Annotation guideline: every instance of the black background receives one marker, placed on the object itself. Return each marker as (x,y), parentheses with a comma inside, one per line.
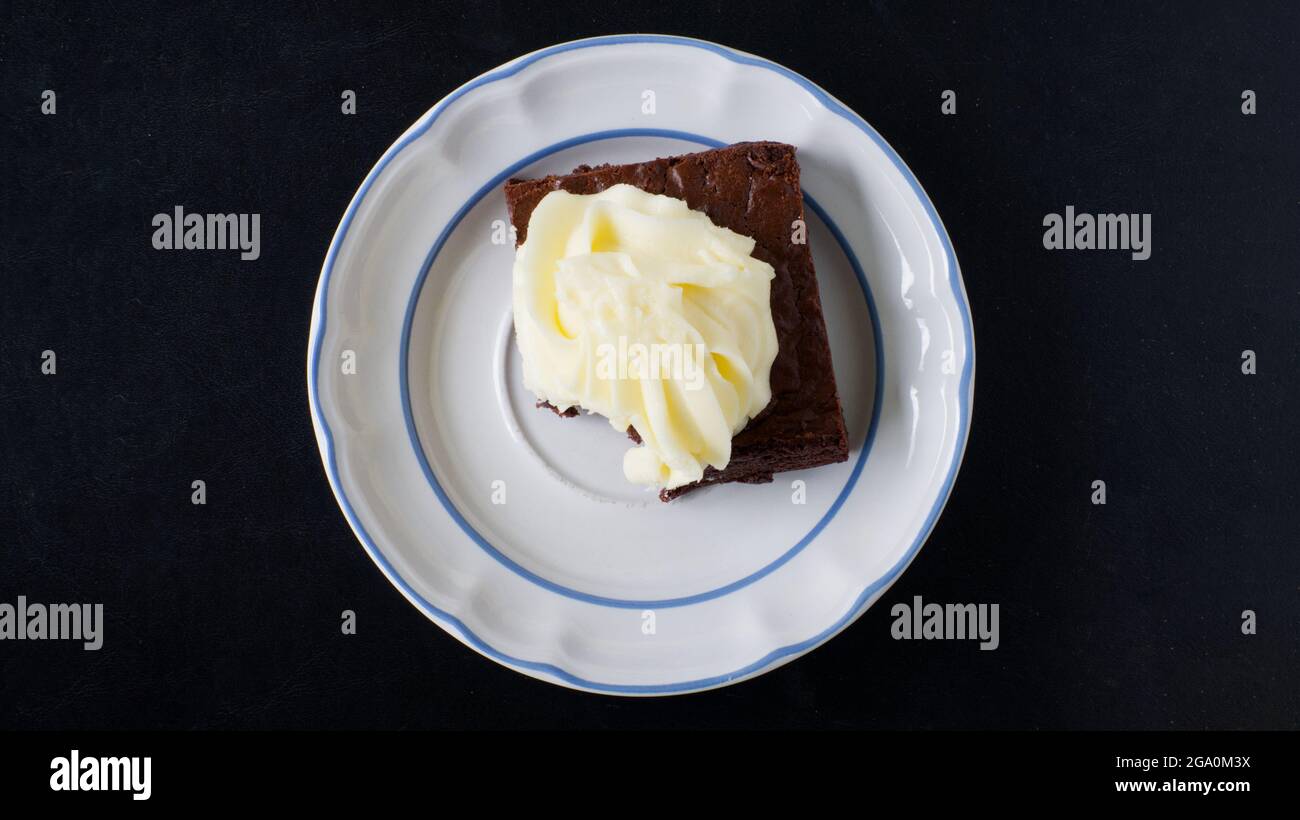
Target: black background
(181,366)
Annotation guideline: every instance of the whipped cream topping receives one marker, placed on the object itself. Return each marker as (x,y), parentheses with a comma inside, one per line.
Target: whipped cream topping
(634,306)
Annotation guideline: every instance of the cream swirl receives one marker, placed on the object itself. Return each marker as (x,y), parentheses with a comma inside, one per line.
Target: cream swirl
(634,306)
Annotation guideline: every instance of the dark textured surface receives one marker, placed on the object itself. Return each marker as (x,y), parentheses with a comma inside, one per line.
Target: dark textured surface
(177,366)
(752,189)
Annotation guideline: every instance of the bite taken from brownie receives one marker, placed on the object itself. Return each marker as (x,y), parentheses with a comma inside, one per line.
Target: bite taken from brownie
(751,189)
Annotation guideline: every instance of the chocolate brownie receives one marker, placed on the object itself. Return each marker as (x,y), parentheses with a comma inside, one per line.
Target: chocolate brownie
(753,189)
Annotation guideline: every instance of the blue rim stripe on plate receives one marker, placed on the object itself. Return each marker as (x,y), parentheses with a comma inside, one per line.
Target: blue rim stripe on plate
(546,669)
(505,560)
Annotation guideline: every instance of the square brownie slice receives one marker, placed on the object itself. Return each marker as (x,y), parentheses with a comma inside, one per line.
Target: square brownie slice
(753,189)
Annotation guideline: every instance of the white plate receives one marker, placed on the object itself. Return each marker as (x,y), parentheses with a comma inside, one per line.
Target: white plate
(579,578)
